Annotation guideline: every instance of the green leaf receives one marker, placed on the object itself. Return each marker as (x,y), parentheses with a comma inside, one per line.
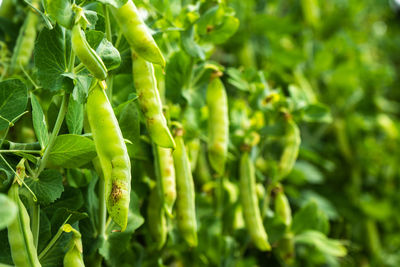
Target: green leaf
(310,217)
(8,211)
(107,52)
(61,11)
(217,25)
(39,122)
(316,113)
(189,44)
(48,187)
(13,100)
(72,151)
(322,243)
(50,60)
(74,117)
(114,3)
(78,177)
(177,75)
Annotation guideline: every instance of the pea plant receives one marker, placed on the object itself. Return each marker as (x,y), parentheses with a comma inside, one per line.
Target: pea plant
(185,133)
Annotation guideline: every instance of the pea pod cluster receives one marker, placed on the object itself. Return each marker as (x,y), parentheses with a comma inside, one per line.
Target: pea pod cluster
(86,54)
(23,250)
(218,125)
(150,102)
(248,197)
(113,154)
(136,33)
(185,202)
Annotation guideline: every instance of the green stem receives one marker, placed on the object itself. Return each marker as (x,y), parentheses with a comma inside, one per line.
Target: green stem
(19,150)
(4,137)
(101,228)
(57,126)
(108,24)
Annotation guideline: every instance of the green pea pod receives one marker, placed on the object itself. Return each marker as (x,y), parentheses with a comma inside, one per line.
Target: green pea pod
(203,172)
(286,249)
(156,219)
(282,208)
(136,33)
(193,147)
(86,54)
(73,257)
(23,250)
(311,12)
(291,150)
(150,102)
(113,155)
(251,211)
(218,125)
(185,202)
(26,41)
(166,176)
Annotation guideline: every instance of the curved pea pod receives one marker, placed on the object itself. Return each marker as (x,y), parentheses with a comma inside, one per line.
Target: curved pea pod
(26,40)
(156,219)
(218,125)
(203,172)
(286,249)
(136,33)
(73,257)
(291,150)
(251,211)
(23,250)
(282,208)
(185,202)
(86,54)
(150,102)
(113,155)
(166,176)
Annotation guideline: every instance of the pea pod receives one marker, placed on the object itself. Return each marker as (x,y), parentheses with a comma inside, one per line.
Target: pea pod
(156,219)
(150,102)
(136,33)
(86,54)
(113,155)
(248,197)
(26,41)
(282,208)
(291,150)
(166,176)
(218,125)
(185,202)
(73,257)
(193,147)
(20,237)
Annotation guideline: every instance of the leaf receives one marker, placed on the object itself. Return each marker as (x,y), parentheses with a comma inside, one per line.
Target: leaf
(8,211)
(322,243)
(177,75)
(61,11)
(107,52)
(189,44)
(13,100)
(71,199)
(74,117)
(114,3)
(48,187)
(310,217)
(72,151)
(50,59)
(39,122)
(316,113)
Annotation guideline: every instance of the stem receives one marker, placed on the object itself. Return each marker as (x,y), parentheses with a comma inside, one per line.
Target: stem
(20,150)
(102,211)
(108,24)
(4,137)
(57,126)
